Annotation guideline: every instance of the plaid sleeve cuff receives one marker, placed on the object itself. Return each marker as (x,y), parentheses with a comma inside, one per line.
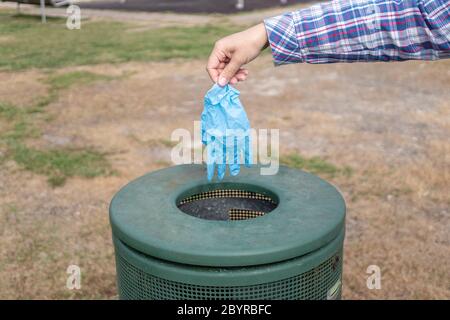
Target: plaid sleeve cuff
(283,39)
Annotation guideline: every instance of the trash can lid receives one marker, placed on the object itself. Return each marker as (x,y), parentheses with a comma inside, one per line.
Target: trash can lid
(144,215)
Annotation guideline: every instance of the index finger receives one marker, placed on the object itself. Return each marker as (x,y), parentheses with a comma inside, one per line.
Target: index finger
(213,66)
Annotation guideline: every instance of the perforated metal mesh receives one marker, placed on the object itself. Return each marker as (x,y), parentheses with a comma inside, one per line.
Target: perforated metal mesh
(314,284)
(242,214)
(227,193)
(227,204)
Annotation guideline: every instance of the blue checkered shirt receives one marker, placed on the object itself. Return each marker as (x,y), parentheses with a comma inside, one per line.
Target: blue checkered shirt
(362,30)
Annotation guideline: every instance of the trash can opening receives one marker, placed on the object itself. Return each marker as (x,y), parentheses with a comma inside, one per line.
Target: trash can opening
(225,201)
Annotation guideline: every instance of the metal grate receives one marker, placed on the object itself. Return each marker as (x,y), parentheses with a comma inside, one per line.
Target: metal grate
(242,214)
(227,204)
(227,193)
(315,284)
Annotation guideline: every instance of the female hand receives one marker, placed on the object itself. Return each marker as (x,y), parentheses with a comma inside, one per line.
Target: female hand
(232,52)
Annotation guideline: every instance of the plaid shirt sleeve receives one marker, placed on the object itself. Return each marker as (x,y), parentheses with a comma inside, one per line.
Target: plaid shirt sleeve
(362,30)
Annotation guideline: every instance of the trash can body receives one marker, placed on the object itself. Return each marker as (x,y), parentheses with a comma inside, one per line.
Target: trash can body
(176,236)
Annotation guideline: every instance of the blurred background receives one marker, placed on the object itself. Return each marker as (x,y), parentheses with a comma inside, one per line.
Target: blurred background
(84,111)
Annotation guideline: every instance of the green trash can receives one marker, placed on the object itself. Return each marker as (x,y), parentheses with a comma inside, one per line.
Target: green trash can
(176,236)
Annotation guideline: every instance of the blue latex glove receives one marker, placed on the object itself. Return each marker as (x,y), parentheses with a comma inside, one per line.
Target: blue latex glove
(225,131)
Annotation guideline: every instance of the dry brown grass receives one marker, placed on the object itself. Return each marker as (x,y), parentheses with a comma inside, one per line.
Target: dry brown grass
(392,132)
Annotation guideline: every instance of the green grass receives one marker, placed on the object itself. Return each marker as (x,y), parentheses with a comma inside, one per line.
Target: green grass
(29,44)
(60,164)
(165,142)
(314,165)
(58,82)
(56,164)
(66,80)
(26,43)
(8,111)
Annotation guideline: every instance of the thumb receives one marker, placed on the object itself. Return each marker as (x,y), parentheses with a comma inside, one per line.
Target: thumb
(229,71)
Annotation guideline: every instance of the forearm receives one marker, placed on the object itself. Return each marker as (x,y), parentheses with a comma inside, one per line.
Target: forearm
(362,30)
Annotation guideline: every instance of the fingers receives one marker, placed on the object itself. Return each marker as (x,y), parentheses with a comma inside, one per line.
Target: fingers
(221,69)
(248,152)
(216,61)
(213,67)
(241,75)
(222,164)
(230,71)
(211,159)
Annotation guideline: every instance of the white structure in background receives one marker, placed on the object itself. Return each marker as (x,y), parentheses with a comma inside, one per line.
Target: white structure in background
(240,4)
(42,3)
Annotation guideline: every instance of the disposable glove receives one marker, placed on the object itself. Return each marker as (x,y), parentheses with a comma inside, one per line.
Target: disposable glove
(225,131)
